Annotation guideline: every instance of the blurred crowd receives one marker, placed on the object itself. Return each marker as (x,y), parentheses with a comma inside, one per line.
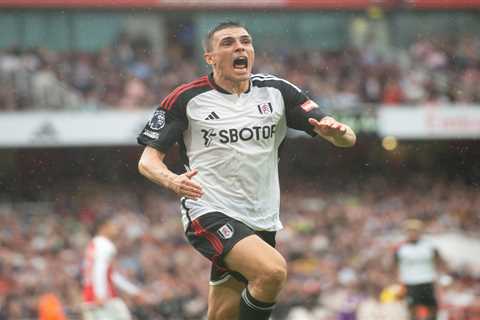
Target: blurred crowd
(125,75)
(339,246)
(131,74)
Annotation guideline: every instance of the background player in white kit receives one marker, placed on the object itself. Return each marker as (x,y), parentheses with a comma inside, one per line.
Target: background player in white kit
(230,126)
(101,280)
(417,262)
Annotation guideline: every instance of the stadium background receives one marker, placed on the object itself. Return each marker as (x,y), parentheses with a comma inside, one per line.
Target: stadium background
(78,79)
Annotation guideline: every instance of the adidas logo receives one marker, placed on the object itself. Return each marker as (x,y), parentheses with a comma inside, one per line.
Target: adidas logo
(212,116)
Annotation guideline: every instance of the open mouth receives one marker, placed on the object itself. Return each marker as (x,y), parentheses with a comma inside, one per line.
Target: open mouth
(240,63)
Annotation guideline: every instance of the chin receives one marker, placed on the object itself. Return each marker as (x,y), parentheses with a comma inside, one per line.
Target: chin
(242,77)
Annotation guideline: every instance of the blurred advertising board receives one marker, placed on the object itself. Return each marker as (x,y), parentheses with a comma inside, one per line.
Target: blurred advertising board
(51,129)
(360,122)
(245,4)
(103,128)
(161,4)
(365,122)
(449,122)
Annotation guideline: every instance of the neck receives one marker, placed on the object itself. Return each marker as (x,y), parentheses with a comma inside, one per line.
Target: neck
(232,86)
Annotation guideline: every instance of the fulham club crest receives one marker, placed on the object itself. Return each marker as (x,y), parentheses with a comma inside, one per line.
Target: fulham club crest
(265,108)
(225,231)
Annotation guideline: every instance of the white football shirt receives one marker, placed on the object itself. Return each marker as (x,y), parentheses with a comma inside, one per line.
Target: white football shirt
(100,279)
(98,270)
(233,141)
(416,262)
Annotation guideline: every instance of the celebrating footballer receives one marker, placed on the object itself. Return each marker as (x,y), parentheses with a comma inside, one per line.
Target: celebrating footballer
(229,125)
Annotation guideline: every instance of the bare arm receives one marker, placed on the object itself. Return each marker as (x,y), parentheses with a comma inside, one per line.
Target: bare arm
(440,263)
(151,166)
(124,284)
(339,134)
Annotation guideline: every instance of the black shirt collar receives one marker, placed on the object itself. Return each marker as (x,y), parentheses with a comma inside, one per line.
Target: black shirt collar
(220,89)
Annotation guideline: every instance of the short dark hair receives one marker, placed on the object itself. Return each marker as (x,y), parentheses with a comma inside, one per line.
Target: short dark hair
(220,26)
(100,221)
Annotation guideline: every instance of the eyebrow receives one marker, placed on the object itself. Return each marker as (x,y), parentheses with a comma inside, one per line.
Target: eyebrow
(242,37)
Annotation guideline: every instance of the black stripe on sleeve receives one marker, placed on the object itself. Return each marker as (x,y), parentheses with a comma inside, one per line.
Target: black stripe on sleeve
(166,127)
(298,106)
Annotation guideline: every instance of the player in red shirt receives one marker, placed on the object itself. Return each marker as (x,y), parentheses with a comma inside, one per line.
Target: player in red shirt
(100,279)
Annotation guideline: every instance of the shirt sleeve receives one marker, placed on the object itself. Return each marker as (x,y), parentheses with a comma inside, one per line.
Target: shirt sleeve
(100,277)
(165,127)
(299,108)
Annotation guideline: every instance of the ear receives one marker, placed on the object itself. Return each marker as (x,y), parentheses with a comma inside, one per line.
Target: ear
(209,59)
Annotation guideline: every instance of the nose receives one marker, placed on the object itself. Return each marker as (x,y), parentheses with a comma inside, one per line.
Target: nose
(239,46)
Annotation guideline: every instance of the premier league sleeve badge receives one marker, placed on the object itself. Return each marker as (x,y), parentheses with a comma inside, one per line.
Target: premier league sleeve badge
(158,120)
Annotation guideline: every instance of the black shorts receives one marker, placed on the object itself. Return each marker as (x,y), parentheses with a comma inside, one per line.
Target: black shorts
(214,234)
(421,294)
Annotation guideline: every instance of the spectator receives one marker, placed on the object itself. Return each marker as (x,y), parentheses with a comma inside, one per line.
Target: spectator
(431,71)
(45,241)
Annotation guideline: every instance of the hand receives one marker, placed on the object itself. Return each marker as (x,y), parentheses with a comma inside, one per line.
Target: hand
(184,186)
(328,127)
